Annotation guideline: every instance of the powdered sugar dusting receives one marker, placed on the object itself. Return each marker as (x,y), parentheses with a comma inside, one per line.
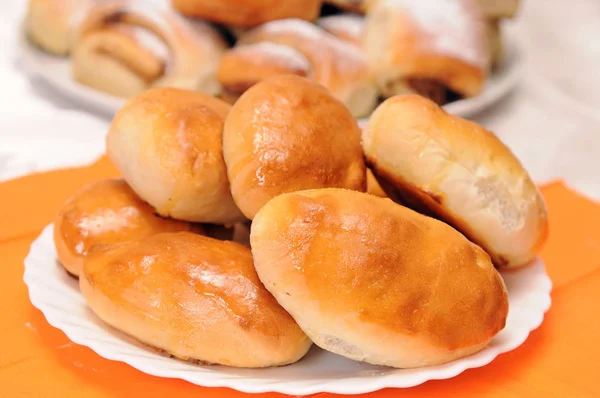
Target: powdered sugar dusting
(349,25)
(455,27)
(291,58)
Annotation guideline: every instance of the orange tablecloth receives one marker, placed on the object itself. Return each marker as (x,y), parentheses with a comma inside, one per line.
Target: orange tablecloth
(561,358)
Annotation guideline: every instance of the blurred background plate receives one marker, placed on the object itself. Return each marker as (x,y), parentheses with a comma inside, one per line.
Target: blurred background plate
(35,142)
(56,71)
(57,295)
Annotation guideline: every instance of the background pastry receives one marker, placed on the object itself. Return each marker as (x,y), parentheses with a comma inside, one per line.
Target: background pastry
(346,27)
(193,297)
(51,24)
(459,172)
(126,48)
(287,134)
(167,143)
(376,282)
(105,212)
(248,13)
(298,47)
(438,49)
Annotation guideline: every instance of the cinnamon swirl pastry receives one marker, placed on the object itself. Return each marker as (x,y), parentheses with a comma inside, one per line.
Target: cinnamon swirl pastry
(124,49)
(297,47)
(436,49)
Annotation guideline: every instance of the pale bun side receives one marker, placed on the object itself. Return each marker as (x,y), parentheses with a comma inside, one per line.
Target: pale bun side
(105,212)
(459,172)
(192,297)
(377,282)
(167,143)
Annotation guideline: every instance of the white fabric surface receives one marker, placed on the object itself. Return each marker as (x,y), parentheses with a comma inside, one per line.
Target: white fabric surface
(552,121)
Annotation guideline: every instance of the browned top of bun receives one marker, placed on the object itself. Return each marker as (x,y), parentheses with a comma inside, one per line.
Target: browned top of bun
(194,297)
(105,212)
(361,256)
(248,12)
(286,134)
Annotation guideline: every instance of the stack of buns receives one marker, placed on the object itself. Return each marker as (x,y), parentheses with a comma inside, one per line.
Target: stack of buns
(363,52)
(381,245)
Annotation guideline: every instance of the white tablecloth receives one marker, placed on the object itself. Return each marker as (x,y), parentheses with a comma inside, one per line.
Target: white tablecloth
(552,121)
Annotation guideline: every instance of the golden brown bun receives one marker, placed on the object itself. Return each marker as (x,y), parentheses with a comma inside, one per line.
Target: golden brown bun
(293,46)
(125,48)
(459,172)
(498,8)
(287,134)
(376,282)
(196,298)
(105,212)
(167,143)
(248,13)
(439,42)
(51,24)
(346,27)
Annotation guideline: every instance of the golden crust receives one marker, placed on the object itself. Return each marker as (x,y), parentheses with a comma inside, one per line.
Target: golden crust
(375,281)
(167,143)
(459,172)
(194,297)
(105,212)
(444,42)
(287,134)
(248,13)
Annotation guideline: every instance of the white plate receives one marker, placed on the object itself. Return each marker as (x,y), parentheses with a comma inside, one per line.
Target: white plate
(56,71)
(57,296)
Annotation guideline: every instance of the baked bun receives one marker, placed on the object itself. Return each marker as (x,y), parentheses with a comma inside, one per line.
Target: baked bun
(125,48)
(459,172)
(346,27)
(105,212)
(193,297)
(167,143)
(376,282)
(293,46)
(287,134)
(51,24)
(248,13)
(434,48)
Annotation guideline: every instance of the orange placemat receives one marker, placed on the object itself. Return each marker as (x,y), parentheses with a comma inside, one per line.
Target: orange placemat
(559,359)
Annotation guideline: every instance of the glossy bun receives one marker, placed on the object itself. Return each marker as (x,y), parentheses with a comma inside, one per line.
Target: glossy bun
(105,212)
(376,282)
(167,143)
(287,134)
(193,297)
